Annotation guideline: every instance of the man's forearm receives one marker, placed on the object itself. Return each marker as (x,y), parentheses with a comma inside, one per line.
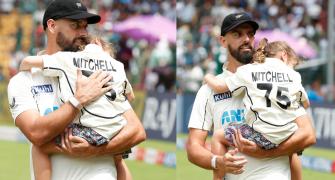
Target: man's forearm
(195,148)
(132,134)
(202,157)
(302,138)
(41,129)
(199,155)
(299,141)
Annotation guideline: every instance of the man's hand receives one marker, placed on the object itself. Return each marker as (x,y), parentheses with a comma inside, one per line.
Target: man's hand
(91,88)
(231,163)
(303,137)
(130,135)
(76,146)
(245,146)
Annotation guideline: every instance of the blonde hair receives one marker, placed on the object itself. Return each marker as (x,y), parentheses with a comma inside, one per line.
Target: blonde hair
(106,46)
(266,49)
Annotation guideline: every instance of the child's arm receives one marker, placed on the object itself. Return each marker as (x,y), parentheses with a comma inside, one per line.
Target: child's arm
(122,170)
(129,92)
(216,84)
(295,167)
(304,98)
(30,62)
(41,164)
(130,96)
(306,104)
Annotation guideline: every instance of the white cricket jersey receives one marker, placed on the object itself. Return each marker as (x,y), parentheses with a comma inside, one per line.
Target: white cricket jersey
(29,91)
(104,114)
(209,105)
(273,94)
(211,110)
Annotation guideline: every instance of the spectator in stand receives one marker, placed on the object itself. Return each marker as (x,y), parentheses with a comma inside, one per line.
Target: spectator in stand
(302,19)
(315,93)
(111,12)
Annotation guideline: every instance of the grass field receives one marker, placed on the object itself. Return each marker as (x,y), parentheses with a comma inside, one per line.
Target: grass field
(14,164)
(186,170)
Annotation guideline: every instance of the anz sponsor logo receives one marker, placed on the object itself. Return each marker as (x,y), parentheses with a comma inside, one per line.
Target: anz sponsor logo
(46,88)
(49,110)
(234,115)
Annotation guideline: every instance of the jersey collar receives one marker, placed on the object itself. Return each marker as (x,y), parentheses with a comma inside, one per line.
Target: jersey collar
(274,60)
(93,48)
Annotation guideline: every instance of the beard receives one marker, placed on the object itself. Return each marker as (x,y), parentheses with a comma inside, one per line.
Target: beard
(244,57)
(67,45)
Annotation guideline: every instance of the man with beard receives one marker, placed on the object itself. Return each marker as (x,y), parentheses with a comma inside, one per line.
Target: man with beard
(216,110)
(38,112)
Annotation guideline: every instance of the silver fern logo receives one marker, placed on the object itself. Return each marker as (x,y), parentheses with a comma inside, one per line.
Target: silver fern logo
(78,5)
(238,16)
(12,104)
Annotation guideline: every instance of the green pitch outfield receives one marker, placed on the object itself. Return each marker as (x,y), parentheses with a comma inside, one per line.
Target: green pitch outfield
(186,170)
(14,162)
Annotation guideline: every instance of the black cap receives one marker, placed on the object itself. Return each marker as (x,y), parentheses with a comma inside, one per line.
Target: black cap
(233,20)
(68,9)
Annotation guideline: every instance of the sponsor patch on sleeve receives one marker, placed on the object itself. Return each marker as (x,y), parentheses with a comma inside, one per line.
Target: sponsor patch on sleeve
(222,96)
(45,88)
(12,104)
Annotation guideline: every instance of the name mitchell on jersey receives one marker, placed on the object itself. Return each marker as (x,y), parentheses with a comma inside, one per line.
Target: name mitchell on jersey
(93,64)
(270,76)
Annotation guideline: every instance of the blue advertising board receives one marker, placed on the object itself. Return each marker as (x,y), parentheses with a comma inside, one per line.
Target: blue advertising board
(324,124)
(159,116)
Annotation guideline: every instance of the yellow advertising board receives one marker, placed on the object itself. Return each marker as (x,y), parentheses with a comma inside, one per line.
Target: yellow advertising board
(138,103)
(5,117)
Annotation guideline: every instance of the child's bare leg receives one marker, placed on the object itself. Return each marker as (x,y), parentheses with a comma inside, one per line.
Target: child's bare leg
(296,168)
(122,170)
(41,164)
(218,147)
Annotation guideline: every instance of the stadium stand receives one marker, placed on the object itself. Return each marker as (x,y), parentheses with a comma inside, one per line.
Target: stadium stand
(22,34)
(199,23)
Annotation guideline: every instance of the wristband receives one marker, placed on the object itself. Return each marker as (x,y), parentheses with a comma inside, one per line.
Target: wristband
(213,161)
(75,103)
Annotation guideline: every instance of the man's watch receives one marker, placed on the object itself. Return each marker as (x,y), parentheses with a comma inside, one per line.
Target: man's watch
(213,162)
(75,103)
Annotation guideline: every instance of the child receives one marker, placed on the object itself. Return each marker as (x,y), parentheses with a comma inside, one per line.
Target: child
(273,95)
(101,120)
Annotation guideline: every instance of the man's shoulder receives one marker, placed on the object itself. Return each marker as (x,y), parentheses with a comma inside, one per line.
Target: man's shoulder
(117,63)
(20,80)
(223,75)
(204,90)
(29,78)
(20,77)
(62,58)
(65,53)
(248,67)
(295,73)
